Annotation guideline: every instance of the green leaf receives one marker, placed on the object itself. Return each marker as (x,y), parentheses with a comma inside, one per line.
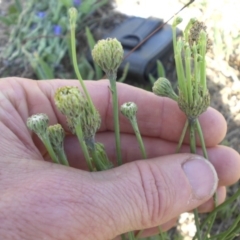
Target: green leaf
(6,20)
(66,3)
(125,72)
(152,79)
(18,6)
(42,69)
(160,69)
(86,6)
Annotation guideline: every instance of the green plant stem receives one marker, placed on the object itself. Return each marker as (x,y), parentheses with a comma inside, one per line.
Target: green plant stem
(112,78)
(75,65)
(180,70)
(195,211)
(203,62)
(196,72)
(200,134)
(161,236)
(229,231)
(193,150)
(123,237)
(94,155)
(187,58)
(183,134)
(18,5)
(138,136)
(131,236)
(83,145)
(62,156)
(220,207)
(50,150)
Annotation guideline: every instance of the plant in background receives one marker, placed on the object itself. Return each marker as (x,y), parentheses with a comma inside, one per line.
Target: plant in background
(39,38)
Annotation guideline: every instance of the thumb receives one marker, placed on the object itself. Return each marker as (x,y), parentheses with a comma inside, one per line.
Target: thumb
(142,194)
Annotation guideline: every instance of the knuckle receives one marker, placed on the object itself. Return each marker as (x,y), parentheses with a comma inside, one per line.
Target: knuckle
(157,191)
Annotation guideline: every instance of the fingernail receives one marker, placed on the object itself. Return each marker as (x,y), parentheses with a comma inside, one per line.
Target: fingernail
(201,176)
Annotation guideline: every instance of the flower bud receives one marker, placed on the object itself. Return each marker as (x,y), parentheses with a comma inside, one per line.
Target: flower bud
(71,124)
(197,107)
(56,136)
(108,54)
(163,87)
(90,122)
(72,12)
(129,110)
(70,101)
(38,123)
(177,21)
(104,162)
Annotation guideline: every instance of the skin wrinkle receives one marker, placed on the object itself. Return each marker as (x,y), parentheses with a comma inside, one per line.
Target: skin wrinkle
(50,97)
(134,196)
(14,105)
(17,102)
(142,168)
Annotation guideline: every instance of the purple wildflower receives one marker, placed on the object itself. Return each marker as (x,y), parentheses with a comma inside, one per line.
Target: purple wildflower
(57,30)
(41,14)
(77,3)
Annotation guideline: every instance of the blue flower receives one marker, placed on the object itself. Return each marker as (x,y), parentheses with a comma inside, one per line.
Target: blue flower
(57,30)
(77,3)
(41,14)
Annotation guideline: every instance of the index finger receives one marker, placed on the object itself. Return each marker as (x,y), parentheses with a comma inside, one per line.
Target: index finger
(157,116)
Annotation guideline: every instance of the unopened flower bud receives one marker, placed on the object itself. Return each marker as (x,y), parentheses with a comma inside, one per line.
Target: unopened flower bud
(129,110)
(71,124)
(177,21)
(163,87)
(108,54)
(199,105)
(38,123)
(70,101)
(90,122)
(72,12)
(56,136)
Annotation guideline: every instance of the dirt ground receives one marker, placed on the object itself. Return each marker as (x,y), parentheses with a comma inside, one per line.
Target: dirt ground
(223,61)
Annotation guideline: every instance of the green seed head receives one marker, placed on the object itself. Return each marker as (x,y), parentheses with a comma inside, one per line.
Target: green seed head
(72,12)
(56,136)
(108,54)
(197,107)
(177,21)
(129,110)
(70,101)
(38,123)
(163,87)
(90,122)
(71,123)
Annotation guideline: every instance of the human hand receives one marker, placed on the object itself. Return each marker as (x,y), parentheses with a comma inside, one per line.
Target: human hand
(42,200)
